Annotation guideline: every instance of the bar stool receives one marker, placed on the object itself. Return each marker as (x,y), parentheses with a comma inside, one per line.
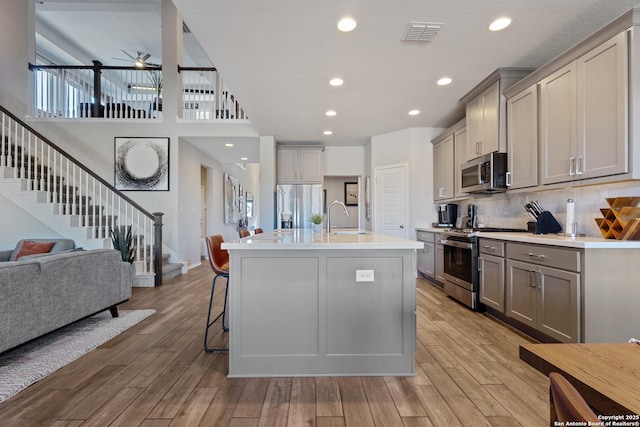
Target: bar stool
(219,261)
(244,233)
(257,230)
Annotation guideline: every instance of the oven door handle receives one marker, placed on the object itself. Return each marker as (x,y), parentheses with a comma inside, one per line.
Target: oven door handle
(457,244)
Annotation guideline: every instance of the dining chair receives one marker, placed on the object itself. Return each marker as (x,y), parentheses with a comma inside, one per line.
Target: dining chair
(567,403)
(219,261)
(257,230)
(244,233)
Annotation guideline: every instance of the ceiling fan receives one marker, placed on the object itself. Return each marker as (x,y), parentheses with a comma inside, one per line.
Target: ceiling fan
(139,61)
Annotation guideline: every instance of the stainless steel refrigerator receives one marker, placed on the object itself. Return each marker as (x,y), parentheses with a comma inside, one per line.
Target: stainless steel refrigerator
(296,203)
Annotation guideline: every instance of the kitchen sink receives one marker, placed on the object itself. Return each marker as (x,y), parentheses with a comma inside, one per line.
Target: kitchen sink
(349,232)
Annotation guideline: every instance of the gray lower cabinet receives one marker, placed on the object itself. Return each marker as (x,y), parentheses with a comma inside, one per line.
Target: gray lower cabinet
(491,272)
(543,289)
(426,257)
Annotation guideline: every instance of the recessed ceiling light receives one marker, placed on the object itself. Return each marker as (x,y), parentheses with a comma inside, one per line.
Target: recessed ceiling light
(414,112)
(444,81)
(228,144)
(244,158)
(327,132)
(330,113)
(500,24)
(346,24)
(336,82)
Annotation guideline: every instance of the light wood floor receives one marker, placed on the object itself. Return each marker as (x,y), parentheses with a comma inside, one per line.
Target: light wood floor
(156,374)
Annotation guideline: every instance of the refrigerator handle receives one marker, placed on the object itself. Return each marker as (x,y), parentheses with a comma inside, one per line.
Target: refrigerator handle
(295,213)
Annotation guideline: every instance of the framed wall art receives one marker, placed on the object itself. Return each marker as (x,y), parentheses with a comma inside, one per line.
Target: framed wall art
(351,193)
(141,164)
(231,199)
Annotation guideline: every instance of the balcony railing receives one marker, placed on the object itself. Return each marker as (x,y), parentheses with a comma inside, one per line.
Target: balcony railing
(98,91)
(112,92)
(206,97)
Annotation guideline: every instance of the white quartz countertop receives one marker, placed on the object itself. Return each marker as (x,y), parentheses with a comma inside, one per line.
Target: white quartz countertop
(295,239)
(553,239)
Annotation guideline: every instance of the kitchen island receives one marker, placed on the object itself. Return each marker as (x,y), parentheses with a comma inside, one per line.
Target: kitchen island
(312,304)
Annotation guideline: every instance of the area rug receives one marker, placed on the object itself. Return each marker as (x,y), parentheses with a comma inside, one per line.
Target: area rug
(25,365)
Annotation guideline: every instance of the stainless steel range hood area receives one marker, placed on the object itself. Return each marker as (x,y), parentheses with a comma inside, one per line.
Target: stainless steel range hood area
(486,174)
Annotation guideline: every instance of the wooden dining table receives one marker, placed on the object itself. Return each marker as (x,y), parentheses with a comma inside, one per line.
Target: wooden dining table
(606,375)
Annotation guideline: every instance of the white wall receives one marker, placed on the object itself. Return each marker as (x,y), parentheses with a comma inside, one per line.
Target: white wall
(20,225)
(411,146)
(267,182)
(344,161)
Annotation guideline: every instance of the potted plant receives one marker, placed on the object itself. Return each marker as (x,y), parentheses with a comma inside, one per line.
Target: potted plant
(316,222)
(122,240)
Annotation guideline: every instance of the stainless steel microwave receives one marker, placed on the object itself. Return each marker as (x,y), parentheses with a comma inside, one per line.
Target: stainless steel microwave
(486,174)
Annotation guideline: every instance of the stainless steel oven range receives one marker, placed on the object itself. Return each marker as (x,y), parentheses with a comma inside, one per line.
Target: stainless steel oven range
(461,264)
(461,267)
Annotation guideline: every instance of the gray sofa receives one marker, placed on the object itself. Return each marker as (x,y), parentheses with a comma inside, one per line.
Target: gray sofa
(41,293)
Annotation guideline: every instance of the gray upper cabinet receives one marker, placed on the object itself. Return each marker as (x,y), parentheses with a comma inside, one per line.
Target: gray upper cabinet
(522,139)
(486,112)
(447,149)
(443,169)
(483,123)
(558,126)
(602,109)
(583,116)
(300,165)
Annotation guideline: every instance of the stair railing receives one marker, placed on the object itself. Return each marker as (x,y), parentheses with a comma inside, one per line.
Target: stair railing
(78,193)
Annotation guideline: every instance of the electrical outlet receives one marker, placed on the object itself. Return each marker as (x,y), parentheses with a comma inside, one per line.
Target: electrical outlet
(364,275)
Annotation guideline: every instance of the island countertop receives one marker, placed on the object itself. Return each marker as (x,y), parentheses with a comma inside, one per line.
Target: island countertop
(305,239)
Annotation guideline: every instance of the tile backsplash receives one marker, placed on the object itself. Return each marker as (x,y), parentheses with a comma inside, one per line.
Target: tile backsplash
(506,209)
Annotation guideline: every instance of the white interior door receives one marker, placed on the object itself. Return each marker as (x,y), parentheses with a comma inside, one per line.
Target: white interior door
(391,186)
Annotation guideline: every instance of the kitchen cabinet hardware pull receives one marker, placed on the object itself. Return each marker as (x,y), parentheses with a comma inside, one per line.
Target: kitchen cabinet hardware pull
(489,248)
(579,165)
(571,160)
(533,282)
(508,179)
(539,256)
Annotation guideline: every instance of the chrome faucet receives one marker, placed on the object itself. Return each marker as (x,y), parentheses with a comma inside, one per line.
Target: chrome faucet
(329,213)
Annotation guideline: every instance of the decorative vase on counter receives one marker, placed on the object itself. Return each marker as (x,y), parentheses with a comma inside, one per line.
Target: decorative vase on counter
(316,228)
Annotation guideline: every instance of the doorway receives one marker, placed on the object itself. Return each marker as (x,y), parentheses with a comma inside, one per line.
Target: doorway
(391,203)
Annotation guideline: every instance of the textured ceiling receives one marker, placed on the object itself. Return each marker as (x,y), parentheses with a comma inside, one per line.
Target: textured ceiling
(278,56)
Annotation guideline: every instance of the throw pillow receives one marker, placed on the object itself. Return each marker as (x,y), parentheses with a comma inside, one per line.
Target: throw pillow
(30,248)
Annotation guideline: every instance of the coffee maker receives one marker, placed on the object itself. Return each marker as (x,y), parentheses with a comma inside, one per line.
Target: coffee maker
(447,214)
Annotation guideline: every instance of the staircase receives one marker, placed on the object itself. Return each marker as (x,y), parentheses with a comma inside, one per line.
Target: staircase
(70,199)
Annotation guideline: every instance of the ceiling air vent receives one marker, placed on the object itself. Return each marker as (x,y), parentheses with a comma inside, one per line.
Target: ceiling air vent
(422,31)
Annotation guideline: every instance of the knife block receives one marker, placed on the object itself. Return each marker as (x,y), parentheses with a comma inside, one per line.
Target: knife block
(621,220)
